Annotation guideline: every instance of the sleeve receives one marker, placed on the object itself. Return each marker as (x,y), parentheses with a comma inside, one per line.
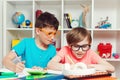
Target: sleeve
(54,51)
(20,47)
(95,57)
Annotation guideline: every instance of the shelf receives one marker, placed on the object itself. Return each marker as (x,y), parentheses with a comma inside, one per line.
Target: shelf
(77,2)
(48,2)
(20,29)
(112,59)
(106,29)
(20,2)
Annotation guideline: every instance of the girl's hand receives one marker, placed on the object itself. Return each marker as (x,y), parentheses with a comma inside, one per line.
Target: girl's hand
(98,67)
(90,66)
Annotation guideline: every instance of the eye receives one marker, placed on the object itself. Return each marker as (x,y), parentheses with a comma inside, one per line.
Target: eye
(50,33)
(54,33)
(76,46)
(85,45)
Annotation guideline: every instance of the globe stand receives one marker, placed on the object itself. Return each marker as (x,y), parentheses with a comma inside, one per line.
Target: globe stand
(19,26)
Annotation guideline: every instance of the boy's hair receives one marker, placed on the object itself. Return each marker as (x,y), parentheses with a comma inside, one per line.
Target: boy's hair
(78,34)
(47,19)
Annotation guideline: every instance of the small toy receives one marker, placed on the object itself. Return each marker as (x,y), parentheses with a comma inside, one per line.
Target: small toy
(27,24)
(15,42)
(31,25)
(38,13)
(75,23)
(103,24)
(105,50)
(116,55)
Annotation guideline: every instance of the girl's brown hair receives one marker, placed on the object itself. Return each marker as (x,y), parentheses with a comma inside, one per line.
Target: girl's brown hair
(78,34)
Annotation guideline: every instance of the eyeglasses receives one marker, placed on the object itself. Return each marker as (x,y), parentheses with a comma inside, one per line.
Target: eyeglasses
(48,33)
(84,47)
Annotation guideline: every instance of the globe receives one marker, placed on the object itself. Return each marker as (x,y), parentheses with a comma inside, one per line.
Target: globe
(18,18)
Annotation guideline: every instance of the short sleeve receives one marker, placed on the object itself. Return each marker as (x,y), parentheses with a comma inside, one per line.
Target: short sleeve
(20,47)
(53,49)
(61,53)
(95,57)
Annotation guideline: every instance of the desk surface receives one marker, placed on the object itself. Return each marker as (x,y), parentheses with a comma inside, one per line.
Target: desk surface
(59,77)
(96,76)
(45,77)
(49,76)
(34,77)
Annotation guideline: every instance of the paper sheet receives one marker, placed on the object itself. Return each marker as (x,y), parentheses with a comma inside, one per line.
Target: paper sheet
(54,72)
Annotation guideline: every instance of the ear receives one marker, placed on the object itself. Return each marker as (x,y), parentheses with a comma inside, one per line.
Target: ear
(37,30)
(69,45)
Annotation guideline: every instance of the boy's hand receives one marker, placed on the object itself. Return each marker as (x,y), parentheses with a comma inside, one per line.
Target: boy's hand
(19,67)
(37,68)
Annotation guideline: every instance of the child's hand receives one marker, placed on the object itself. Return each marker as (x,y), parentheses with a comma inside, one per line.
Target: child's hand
(19,67)
(98,67)
(90,66)
(37,68)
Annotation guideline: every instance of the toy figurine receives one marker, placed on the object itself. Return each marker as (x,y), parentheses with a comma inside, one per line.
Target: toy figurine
(82,19)
(103,24)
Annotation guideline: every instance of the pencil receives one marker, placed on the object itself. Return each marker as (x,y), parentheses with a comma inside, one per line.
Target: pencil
(70,59)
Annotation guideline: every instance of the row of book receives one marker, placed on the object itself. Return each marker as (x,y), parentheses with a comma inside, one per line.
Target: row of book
(67,21)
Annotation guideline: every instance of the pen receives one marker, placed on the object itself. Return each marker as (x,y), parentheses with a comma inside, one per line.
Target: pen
(70,59)
(17,59)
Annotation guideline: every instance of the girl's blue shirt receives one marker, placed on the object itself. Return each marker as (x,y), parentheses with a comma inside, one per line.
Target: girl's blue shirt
(32,55)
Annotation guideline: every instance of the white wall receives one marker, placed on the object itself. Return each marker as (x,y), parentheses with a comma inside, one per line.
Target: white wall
(0,32)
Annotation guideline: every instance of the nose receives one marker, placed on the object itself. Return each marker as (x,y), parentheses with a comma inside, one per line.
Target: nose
(52,36)
(80,49)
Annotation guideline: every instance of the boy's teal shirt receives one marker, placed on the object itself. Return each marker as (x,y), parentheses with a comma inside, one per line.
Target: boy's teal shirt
(32,55)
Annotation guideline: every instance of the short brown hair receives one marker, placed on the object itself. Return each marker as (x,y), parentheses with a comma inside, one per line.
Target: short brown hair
(47,19)
(77,35)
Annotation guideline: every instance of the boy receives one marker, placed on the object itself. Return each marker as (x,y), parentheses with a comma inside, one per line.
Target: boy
(35,51)
(78,50)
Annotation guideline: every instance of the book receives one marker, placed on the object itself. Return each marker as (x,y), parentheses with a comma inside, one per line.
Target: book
(5,73)
(67,19)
